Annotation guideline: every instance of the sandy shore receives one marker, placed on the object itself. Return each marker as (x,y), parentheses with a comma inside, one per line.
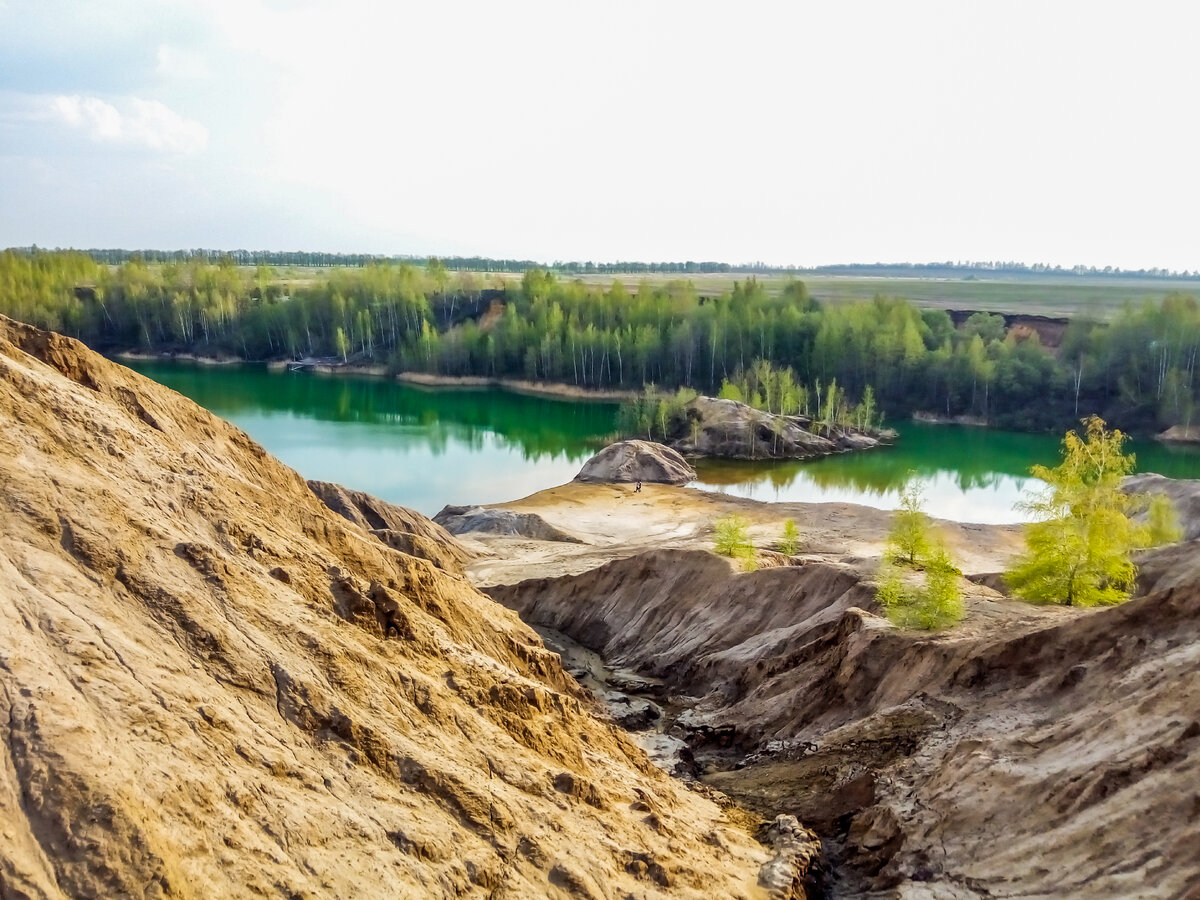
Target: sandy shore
(180,357)
(516,385)
(419,379)
(615,522)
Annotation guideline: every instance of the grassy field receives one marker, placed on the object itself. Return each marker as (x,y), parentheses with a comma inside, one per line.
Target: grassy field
(1097,298)
(1067,297)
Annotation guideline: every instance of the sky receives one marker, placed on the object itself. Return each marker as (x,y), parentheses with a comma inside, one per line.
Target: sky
(792,133)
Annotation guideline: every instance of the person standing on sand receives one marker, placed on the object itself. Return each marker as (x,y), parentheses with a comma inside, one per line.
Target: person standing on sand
(638,489)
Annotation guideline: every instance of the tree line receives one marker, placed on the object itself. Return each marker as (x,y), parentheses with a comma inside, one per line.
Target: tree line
(1137,371)
(320,259)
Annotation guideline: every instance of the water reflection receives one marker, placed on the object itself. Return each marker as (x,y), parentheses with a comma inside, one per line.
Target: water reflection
(421,448)
(536,427)
(967,474)
(426,448)
(983,498)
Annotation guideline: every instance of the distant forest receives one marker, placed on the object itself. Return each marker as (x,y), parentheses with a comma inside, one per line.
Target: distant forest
(949,269)
(1137,371)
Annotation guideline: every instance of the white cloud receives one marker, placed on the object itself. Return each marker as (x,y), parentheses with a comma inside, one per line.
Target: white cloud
(175,62)
(137,122)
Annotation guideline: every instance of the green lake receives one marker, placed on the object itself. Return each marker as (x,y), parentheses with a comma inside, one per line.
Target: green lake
(425,448)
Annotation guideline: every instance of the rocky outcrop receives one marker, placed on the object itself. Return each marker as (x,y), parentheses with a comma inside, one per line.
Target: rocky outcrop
(982,761)
(400,528)
(796,865)
(1180,434)
(211,685)
(501,522)
(731,429)
(628,461)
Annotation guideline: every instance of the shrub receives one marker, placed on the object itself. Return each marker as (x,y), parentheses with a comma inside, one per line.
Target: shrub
(731,537)
(931,600)
(789,544)
(908,541)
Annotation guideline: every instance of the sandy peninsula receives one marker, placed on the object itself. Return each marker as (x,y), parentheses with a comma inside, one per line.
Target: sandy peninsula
(616,522)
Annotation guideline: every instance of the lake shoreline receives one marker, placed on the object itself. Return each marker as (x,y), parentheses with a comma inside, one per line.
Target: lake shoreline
(426,445)
(1176,436)
(557,389)
(143,356)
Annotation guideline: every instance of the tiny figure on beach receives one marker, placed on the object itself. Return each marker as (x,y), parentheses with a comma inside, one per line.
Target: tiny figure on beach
(638,489)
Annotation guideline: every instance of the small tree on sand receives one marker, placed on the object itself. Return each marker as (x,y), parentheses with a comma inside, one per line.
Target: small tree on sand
(789,544)
(1078,552)
(938,603)
(908,541)
(931,597)
(731,538)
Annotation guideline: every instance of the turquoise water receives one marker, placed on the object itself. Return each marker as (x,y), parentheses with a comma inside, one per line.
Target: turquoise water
(425,448)
(967,474)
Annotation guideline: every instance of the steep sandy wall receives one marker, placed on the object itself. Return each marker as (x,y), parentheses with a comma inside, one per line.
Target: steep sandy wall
(211,685)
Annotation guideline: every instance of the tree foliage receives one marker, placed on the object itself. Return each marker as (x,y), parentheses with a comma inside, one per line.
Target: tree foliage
(1140,369)
(789,543)
(731,538)
(909,538)
(1078,551)
(928,597)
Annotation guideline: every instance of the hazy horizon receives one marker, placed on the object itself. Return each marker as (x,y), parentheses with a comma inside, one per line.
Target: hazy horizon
(736,267)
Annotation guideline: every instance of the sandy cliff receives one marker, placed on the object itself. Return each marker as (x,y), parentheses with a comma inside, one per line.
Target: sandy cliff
(213,685)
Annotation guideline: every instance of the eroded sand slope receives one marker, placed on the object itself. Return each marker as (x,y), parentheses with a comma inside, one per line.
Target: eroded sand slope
(212,685)
(1028,752)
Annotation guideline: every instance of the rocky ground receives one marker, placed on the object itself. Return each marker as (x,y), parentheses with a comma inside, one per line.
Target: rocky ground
(734,430)
(1028,752)
(213,685)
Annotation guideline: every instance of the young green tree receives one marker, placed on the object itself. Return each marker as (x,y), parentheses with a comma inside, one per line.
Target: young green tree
(789,544)
(908,541)
(730,391)
(865,412)
(731,538)
(929,600)
(1078,551)
(1163,520)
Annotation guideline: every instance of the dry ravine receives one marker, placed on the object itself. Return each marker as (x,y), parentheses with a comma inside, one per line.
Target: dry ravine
(1028,752)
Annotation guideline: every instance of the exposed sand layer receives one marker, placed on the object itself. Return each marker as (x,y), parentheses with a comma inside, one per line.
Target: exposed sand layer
(633,461)
(1028,752)
(398,527)
(211,685)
